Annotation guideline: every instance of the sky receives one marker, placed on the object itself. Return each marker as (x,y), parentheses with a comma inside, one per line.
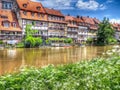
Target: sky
(91,8)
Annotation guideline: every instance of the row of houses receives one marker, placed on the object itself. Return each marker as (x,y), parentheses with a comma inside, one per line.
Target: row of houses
(16,14)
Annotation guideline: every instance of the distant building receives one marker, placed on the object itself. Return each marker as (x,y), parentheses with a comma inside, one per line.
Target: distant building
(56,23)
(72,28)
(48,22)
(82,30)
(32,13)
(9,27)
(92,24)
(116,27)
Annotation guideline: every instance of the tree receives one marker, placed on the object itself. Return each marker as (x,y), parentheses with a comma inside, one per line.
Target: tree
(89,40)
(31,41)
(105,34)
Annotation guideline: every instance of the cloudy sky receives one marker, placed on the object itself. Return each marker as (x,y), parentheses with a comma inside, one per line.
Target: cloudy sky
(92,8)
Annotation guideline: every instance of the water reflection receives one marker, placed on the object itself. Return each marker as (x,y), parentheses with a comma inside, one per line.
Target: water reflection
(11,59)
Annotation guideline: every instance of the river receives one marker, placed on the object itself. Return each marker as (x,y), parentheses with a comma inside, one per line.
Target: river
(12,59)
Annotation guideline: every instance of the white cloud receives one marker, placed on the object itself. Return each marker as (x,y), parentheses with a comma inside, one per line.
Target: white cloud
(115,21)
(90,5)
(110,1)
(72,4)
(57,4)
(102,7)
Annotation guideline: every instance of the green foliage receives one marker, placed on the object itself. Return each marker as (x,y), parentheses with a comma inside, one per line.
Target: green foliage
(20,45)
(38,41)
(89,40)
(1,42)
(105,35)
(68,40)
(29,31)
(65,40)
(100,73)
(31,41)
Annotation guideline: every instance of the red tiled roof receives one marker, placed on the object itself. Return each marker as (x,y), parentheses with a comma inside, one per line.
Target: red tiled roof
(53,12)
(96,20)
(70,18)
(35,17)
(10,17)
(79,20)
(116,25)
(30,6)
(88,20)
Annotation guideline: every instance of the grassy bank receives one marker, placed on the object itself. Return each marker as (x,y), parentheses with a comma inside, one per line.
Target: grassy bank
(98,74)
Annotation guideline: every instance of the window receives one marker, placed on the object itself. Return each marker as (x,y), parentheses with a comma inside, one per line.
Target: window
(7,5)
(25,5)
(6,24)
(32,13)
(14,24)
(38,14)
(24,12)
(38,8)
(42,16)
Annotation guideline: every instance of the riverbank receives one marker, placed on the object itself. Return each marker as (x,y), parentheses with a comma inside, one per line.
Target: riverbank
(98,73)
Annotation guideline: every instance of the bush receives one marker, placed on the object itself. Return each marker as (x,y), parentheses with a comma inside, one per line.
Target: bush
(32,42)
(89,41)
(1,42)
(68,40)
(20,45)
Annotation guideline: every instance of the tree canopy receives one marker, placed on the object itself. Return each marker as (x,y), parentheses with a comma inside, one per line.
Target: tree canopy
(106,33)
(31,41)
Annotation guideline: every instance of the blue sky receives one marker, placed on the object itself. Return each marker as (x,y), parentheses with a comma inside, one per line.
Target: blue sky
(92,8)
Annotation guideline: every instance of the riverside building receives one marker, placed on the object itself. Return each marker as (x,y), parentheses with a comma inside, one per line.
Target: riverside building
(10,30)
(72,28)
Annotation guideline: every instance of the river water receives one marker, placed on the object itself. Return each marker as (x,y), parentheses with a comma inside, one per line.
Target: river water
(12,59)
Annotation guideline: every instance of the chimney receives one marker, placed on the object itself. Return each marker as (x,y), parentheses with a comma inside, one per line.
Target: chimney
(78,16)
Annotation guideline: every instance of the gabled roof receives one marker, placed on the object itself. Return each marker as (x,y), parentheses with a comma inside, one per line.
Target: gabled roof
(53,12)
(116,25)
(70,18)
(9,16)
(96,20)
(88,20)
(30,6)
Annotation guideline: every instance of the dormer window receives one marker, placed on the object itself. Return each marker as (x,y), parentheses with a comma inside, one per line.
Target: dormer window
(25,5)
(38,8)
(42,15)
(6,24)
(14,24)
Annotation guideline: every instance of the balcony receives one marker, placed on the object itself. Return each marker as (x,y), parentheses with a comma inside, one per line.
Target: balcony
(40,28)
(72,30)
(56,28)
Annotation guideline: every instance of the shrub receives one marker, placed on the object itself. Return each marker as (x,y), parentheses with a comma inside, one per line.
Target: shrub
(1,42)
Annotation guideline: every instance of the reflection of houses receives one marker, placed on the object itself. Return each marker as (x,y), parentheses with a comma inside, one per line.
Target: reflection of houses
(117,30)
(72,28)
(57,24)
(33,13)
(9,27)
